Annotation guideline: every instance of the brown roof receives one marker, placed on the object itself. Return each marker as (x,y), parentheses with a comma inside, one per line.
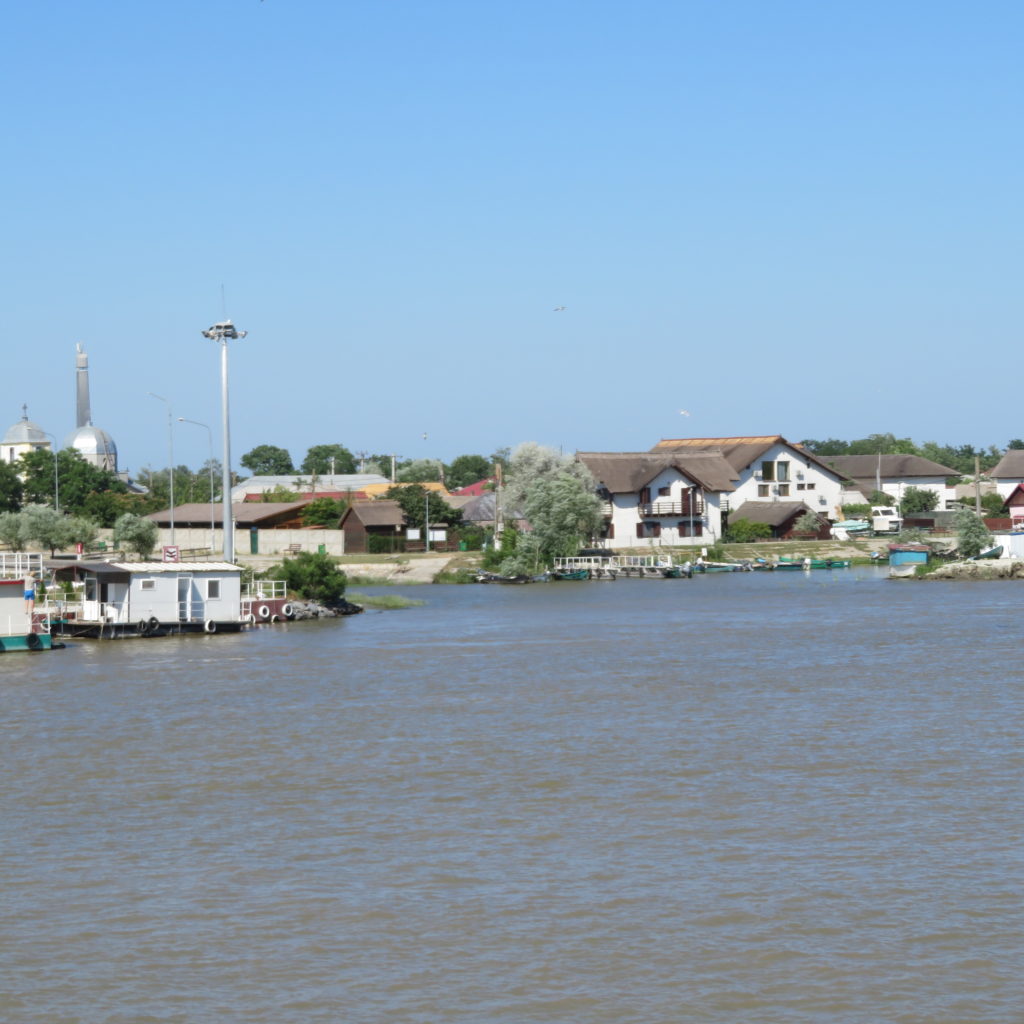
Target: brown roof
(625,472)
(741,452)
(774,513)
(866,467)
(243,512)
(382,512)
(1010,466)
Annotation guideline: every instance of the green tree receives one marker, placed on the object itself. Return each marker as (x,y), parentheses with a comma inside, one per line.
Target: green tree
(13,530)
(993,505)
(829,447)
(104,507)
(135,534)
(76,478)
(557,496)
(47,525)
(268,460)
(885,444)
(421,471)
(417,502)
(328,458)
(917,499)
(10,488)
(467,469)
(82,531)
(280,493)
(323,512)
(971,535)
(1015,445)
(743,531)
(314,577)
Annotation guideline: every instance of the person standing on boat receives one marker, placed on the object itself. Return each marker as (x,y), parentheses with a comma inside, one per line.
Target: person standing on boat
(30,593)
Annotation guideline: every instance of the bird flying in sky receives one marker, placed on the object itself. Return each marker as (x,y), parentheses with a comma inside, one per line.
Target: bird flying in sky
(558,309)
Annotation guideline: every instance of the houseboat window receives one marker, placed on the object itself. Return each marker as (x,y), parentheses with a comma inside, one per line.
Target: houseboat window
(213,588)
(767,470)
(782,471)
(762,490)
(90,588)
(148,585)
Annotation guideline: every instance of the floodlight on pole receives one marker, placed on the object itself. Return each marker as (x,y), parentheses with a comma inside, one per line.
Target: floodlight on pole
(221,333)
(170,452)
(209,437)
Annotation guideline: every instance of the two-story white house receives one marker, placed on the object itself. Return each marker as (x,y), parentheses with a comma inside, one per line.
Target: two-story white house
(660,499)
(892,474)
(1008,472)
(776,481)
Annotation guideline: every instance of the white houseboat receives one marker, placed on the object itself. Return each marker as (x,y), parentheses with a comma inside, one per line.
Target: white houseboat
(22,628)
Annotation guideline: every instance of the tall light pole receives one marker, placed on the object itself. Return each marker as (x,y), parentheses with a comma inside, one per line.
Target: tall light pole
(221,333)
(56,480)
(209,437)
(170,451)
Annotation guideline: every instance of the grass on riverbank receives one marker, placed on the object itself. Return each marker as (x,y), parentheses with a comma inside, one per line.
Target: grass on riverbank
(387,601)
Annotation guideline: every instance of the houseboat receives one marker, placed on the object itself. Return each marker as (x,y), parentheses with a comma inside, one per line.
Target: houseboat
(23,627)
(116,599)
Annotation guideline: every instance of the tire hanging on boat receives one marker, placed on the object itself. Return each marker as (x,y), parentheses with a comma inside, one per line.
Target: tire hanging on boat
(34,642)
(210,626)
(264,611)
(143,627)
(287,610)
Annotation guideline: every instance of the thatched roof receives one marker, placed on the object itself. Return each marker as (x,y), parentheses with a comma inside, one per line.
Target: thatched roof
(626,472)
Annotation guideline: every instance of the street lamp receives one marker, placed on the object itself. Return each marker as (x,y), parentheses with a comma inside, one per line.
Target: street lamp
(209,436)
(56,481)
(170,452)
(221,333)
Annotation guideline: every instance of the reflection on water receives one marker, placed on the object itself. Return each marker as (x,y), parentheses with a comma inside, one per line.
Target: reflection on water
(737,798)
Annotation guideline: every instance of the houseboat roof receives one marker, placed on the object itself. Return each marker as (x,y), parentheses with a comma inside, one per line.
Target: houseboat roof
(121,572)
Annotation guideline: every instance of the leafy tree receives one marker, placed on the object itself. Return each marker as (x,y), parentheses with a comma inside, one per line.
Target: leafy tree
(743,531)
(280,493)
(268,460)
(10,488)
(917,499)
(47,525)
(556,495)
(993,504)
(135,534)
(881,498)
(417,502)
(971,535)
(1016,444)
(829,447)
(323,512)
(13,530)
(76,478)
(82,531)
(466,470)
(885,444)
(104,507)
(312,576)
(328,458)
(421,471)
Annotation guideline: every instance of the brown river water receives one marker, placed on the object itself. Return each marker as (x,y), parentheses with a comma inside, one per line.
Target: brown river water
(739,798)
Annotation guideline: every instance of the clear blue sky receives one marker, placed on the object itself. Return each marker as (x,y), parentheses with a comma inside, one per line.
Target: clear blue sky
(792,217)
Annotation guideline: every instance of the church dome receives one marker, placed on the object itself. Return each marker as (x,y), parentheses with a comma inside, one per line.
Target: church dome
(95,446)
(25,432)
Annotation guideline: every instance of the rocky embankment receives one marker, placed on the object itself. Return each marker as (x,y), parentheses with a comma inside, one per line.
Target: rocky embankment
(988,569)
(312,610)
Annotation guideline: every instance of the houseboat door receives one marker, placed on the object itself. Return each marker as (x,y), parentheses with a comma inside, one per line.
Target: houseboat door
(184,589)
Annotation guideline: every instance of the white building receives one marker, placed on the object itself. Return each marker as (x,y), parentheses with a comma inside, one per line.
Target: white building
(893,474)
(23,437)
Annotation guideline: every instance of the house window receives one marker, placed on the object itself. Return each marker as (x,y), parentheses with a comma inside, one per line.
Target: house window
(783,490)
(148,585)
(782,472)
(767,470)
(809,487)
(648,529)
(664,492)
(609,531)
(212,589)
(762,490)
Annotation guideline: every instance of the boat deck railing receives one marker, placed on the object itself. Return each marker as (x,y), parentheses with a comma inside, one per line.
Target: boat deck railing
(265,590)
(20,563)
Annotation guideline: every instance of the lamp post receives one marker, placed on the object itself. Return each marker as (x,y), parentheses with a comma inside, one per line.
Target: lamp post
(221,333)
(56,480)
(170,452)
(209,437)
(426,520)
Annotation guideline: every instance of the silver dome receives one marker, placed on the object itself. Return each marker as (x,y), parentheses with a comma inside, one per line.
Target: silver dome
(95,446)
(25,432)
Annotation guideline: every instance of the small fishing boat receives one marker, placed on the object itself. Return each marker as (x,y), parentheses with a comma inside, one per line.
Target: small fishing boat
(493,577)
(993,552)
(570,574)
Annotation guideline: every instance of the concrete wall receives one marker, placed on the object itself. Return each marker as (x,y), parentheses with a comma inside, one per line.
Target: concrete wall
(270,542)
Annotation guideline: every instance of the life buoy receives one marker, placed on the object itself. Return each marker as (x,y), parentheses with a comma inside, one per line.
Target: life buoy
(34,642)
(210,626)
(287,610)
(264,612)
(143,627)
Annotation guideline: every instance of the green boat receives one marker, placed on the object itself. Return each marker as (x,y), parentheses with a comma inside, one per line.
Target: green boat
(570,574)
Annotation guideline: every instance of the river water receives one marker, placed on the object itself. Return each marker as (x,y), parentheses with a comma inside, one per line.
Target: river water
(739,798)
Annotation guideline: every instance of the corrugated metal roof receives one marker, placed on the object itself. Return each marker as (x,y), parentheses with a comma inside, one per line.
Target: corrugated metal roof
(137,567)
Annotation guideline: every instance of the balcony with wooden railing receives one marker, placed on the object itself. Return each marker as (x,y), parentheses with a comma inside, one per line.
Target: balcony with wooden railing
(691,507)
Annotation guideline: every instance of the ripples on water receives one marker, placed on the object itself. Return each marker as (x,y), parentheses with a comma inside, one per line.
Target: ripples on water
(760,798)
